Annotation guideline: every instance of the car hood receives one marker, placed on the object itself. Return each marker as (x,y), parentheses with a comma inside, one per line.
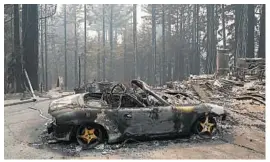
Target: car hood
(71,101)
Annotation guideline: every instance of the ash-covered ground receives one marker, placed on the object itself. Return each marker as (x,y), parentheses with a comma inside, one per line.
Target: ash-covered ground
(242,135)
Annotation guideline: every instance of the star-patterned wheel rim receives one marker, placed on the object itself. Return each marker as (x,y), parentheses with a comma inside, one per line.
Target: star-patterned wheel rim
(88,135)
(207,126)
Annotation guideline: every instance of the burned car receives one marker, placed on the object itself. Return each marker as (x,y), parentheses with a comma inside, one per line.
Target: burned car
(122,112)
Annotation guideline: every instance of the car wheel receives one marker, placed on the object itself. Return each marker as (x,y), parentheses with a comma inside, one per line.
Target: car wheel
(206,126)
(89,136)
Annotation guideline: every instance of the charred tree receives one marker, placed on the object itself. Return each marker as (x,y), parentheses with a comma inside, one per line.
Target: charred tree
(236,21)
(211,40)
(176,56)
(65,31)
(111,44)
(76,46)
(17,49)
(42,47)
(241,32)
(163,47)
(84,59)
(9,66)
(196,58)
(261,51)
(188,59)
(46,51)
(251,26)
(79,71)
(181,53)
(193,53)
(135,40)
(169,60)
(104,39)
(153,73)
(30,42)
(98,57)
(125,53)
(223,26)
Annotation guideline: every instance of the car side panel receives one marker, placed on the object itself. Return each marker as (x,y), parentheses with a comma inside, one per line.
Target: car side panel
(108,119)
(162,120)
(134,121)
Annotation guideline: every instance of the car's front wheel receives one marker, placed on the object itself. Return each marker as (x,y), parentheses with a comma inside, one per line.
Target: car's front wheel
(206,126)
(89,135)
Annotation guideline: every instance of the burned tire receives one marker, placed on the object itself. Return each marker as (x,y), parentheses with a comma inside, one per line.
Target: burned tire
(89,135)
(205,127)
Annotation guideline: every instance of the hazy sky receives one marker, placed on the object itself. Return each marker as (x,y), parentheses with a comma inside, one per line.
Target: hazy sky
(140,13)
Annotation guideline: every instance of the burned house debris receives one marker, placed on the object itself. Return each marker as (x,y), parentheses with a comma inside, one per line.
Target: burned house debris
(253,67)
(119,112)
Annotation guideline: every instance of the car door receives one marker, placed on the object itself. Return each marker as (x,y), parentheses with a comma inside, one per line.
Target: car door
(162,120)
(146,120)
(134,121)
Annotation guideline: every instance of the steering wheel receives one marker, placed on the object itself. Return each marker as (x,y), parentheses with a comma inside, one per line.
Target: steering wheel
(123,91)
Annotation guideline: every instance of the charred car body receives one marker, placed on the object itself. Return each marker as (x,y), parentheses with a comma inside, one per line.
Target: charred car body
(120,113)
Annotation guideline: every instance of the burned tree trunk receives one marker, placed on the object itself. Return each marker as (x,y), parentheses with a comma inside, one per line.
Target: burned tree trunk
(98,57)
(261,51)
(30,42)
(42,47)
(163,47)
(125,53)
(241,32)
(65,30)
(85,36)
(17,49)
(76,47)
(236,21)
(196,62)
(135,40)
(181,54)
(193,53)
(176,52)
(208,48)
(223,27)
(211,41)
(46,52)
(251,25)
(153,73)
(169,60)
(111,45)
(104,53)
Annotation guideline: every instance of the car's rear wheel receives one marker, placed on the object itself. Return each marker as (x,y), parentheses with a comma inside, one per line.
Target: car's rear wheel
(89,135)
(206,126)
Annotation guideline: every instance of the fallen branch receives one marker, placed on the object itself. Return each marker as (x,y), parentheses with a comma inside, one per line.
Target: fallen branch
(40,113)
(208,85)
(33,100)
(21,102)
(241,84)
(255,95)
(248,98)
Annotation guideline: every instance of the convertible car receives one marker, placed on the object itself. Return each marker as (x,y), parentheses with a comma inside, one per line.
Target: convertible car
(136,111)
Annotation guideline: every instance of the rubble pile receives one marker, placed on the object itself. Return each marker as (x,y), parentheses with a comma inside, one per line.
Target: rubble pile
(243,100)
